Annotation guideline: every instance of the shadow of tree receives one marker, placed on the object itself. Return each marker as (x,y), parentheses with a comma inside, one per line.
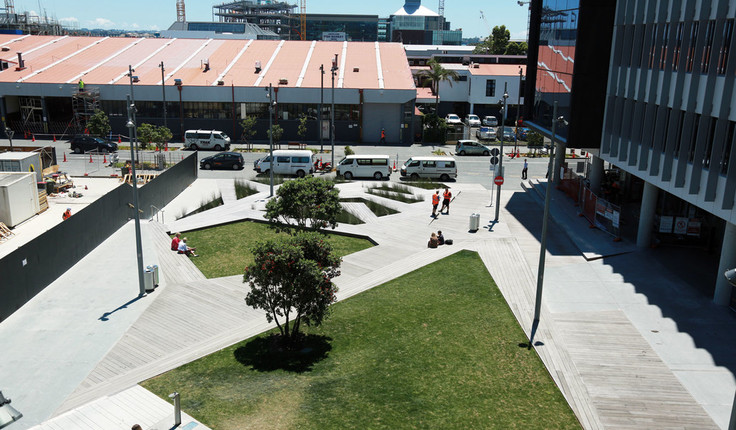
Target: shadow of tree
(266,354)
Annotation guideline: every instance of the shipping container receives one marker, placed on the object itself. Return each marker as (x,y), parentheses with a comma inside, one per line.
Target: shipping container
(22,162)
(18,197)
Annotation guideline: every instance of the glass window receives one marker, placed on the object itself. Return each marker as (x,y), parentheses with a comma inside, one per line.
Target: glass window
(282,159)
(710,30)
(300,159)
(490,88)
(429,163)
(726,44)
(414,164)
(691,48)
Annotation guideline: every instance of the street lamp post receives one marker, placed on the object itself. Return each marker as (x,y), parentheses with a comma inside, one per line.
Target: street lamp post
(163,90)
(545,222)
(138,246)
(132,102)
(500,157)
(179,86)
(271,106)
(321,102)
(9,131)
(332,110)
(518,107)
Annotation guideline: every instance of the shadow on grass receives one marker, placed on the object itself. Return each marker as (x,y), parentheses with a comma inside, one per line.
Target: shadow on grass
(266,354)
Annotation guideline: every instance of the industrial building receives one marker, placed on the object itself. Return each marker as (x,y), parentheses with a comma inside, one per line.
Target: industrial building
(647,88)
(207,84)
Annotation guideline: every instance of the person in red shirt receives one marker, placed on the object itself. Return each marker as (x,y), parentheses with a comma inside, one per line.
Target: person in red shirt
(175,242)
(435,202)
(383,135)
(65,216)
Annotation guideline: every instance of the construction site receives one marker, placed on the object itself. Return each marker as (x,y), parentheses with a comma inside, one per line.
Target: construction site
(27,23)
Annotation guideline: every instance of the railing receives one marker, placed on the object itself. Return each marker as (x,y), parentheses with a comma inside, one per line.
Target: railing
(156,214)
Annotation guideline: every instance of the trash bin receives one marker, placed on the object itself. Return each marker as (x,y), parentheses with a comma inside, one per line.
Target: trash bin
(148,281)
(154,269)
(474,222)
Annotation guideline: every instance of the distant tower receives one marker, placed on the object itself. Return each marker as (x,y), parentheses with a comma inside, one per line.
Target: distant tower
(441,8)
(9,7)
(180,15)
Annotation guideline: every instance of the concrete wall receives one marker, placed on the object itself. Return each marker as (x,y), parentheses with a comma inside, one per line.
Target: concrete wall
(32,267)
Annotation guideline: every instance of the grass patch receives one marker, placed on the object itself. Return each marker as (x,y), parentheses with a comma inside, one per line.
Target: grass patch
(266,179)
(427,185)
(377,208)
(225,250)
(393,187)
(214,201)
(406,198)
(426,350)
(347,217)
(243,189)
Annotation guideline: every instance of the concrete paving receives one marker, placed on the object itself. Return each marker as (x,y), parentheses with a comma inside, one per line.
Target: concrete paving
(67,330)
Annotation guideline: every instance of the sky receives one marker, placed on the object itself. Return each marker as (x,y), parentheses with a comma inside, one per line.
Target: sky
(160,14)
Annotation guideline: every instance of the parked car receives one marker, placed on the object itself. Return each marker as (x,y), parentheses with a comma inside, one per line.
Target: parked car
(84,143)
(452,119)
(508,133)
(486,133)
(522,132)
(206,139)
(470,147)
(433,166)
(490,121)
(288,162)
(223,160)
(473,120)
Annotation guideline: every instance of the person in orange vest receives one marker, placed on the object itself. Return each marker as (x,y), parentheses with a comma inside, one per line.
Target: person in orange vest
(383,135)
(435,202)
(446,196)
(67,214)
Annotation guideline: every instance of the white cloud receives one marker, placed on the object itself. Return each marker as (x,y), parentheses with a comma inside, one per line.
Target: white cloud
(69,20)
(101,23)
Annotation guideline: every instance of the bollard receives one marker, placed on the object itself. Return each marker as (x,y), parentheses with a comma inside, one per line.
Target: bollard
(177,408)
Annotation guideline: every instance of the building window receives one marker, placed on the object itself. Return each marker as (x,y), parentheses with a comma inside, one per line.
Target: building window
(663,50)
(462,78)
(693,139)
(709,142)
(708,48)
(491,88)
(691,48)
(652,46)
(678,139)
(678,46)
(727,147)
(723,54)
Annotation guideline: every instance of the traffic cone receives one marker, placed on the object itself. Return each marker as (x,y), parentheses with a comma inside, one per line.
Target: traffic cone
(25,135)
(54,138)
(90,158)
(65,157)
(119,141)
(86,131)
(33,138)
(394,165)
(104,159)
(85,187)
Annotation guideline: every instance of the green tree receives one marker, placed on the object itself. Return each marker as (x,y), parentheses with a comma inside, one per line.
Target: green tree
(276,131)
(517,48)
(249,124)
(146,135)
(496,43)
(435,128)
(291,279)
(305,202)
(534,141)
(99,124)
(301,131)
(435,75)
(163,135)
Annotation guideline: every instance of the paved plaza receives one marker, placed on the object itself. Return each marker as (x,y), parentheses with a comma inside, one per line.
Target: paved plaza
(628,344)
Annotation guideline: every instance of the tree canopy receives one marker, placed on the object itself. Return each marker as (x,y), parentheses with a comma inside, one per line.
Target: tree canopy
(305,202)
(498,43)
(99,124)
(437,74)
(291,279)
(248,123)
(148,133)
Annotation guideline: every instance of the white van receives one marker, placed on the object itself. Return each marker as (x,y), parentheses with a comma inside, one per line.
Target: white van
(365,166)
(440,167)
(206,139)
(288,162)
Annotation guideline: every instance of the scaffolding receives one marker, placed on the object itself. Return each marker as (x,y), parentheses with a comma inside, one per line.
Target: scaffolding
(28,23)
(31,112)
(275,16)
(84,105)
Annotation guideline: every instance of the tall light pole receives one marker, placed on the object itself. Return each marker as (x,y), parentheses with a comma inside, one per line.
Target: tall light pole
(518,107)
(321,102)
(138,246)
(271,105)
(163,90)
(500,157)
(132,102)
(332,111)
(545,222)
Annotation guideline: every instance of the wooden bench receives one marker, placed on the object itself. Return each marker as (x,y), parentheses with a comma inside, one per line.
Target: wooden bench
(297,145)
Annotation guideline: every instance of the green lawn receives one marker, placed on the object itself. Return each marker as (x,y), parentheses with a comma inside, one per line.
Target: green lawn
(437,348)
(225,250)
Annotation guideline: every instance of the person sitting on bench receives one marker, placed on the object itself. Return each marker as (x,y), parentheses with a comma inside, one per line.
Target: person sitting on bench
(184,249)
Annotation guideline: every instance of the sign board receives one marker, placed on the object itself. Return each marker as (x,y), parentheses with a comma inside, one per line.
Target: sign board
(665,224)
(333,36)
(680,225)
(494,160)
(494,152)
(498,180)
(693,227)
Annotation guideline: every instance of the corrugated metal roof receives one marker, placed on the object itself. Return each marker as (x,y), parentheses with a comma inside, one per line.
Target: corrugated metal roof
(104,61)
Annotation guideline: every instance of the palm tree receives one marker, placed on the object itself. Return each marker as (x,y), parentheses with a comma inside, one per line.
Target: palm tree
(435,75)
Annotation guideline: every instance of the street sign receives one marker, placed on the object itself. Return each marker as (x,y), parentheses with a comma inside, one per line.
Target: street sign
(494,152)
(498,180)
(494,160)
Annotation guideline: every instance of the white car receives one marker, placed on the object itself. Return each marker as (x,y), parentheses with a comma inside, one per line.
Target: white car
(473,120)
(453,119)
(486,133)
(490,121)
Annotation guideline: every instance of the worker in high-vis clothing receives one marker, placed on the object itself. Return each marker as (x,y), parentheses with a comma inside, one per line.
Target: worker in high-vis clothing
(81,85)
(435,202)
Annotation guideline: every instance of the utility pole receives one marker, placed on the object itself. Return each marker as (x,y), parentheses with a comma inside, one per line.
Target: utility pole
(136,211)
(500,157)
(132,103)
(321,102)
(163,90)
(271,105)
(518,107)
(332,111)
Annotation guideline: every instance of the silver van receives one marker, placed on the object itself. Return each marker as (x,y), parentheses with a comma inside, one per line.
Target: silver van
(443,168)
(365,166)
(206,139)
(288,162)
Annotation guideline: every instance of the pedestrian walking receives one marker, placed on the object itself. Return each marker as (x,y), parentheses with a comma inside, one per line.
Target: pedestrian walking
(446,197)
(524,169)
(435,202)
(383,135)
